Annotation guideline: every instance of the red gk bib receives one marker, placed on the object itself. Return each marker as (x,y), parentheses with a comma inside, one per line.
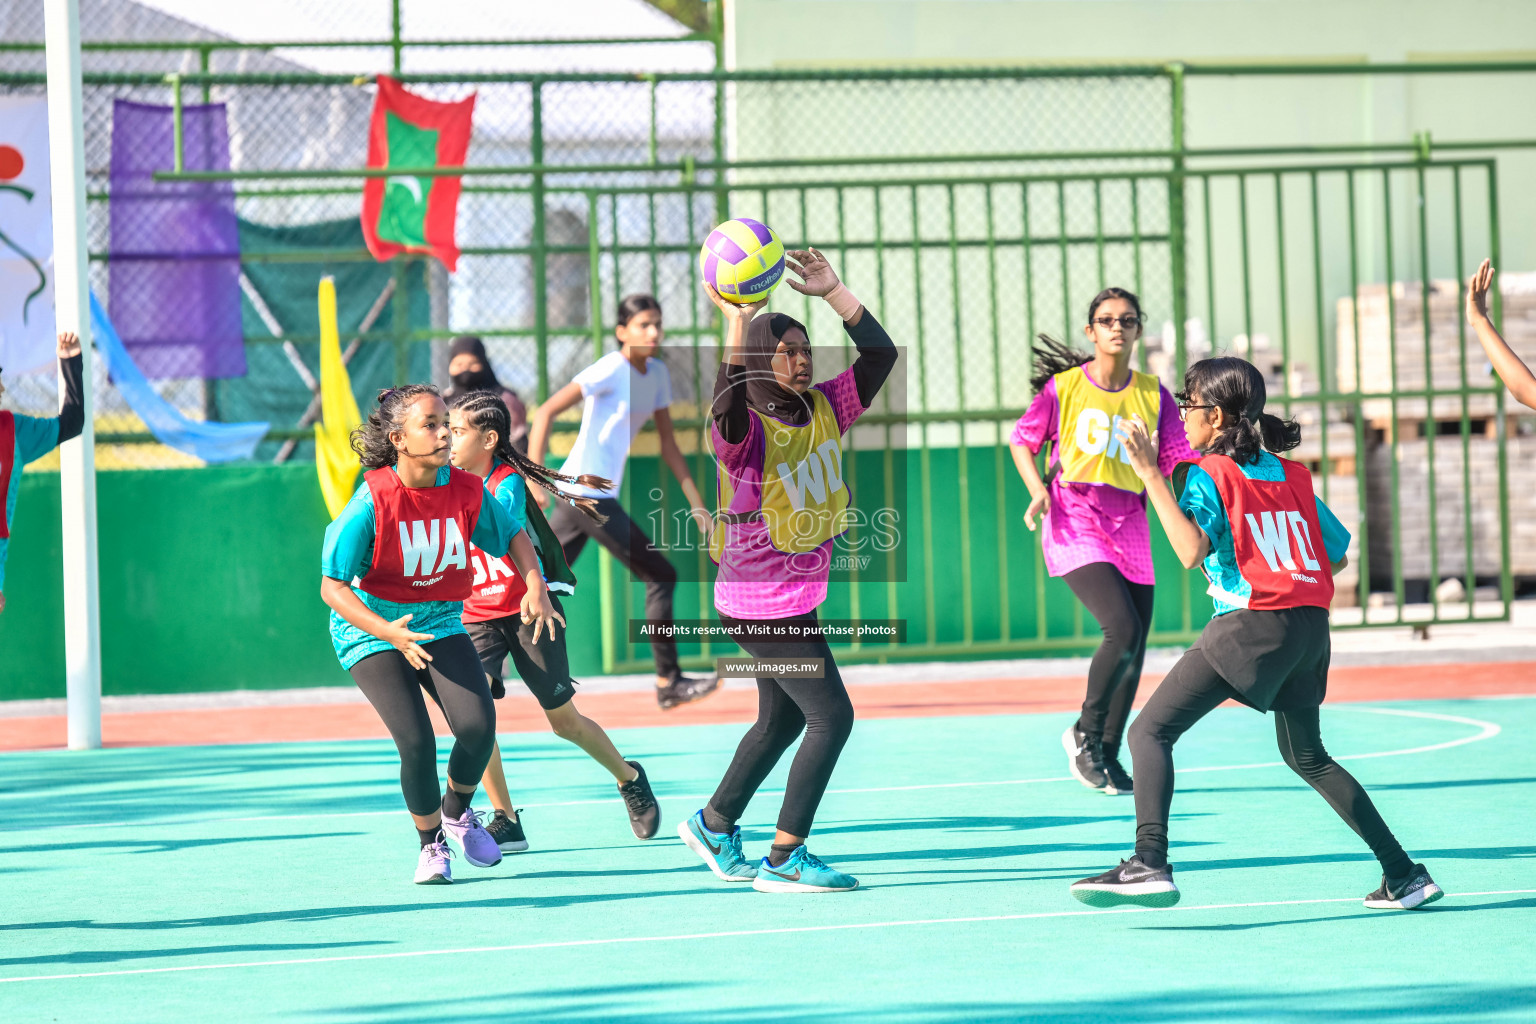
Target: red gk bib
(498,589)
(421,537)
(1276,535)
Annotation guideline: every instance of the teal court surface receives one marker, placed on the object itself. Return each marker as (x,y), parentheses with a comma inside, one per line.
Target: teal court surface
(274,882)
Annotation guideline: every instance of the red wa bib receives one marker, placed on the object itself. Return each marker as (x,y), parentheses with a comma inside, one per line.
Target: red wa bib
(1276,535)
(421,537)
(7,466)
(498,589)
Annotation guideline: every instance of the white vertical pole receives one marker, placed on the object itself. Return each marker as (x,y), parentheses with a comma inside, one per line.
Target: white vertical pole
(77,458)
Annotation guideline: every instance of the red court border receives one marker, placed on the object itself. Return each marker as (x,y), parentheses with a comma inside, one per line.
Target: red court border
(292,723)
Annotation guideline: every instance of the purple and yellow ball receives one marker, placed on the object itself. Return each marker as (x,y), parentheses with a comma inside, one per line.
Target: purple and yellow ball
(743,259)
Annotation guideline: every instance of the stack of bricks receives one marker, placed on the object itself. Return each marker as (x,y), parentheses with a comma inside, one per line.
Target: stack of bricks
(1411,535)
(1380,374)
(1405,432)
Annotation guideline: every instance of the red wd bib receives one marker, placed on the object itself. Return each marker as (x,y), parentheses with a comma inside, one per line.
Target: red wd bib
(1276,535)
(498,589)
(421,537)
(7,466)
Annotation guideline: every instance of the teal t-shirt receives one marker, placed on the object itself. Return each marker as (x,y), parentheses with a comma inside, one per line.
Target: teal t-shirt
(35,437)
(512,495)
(348,552)
(1201,501)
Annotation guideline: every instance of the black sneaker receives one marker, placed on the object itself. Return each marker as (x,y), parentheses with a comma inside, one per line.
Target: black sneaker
(644,815)
(1085,757)
(685,690)
(1131,882)
(1411,893)
(1119,779)
(508,833)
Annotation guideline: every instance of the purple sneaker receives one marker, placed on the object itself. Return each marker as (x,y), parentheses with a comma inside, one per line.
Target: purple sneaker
(479,846)
(433,867)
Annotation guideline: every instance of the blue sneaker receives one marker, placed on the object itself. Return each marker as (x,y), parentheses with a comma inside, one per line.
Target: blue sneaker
(803,872)
(721,852)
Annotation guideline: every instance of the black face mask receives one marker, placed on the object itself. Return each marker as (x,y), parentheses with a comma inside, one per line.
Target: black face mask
(475,380)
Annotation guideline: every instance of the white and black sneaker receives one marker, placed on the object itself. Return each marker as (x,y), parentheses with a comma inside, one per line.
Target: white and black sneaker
(1131,882)
(1411,893)
(508,832)
(1119,783)
(1085,757)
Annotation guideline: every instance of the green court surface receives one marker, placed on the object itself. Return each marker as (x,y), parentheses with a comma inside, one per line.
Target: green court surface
(274,882)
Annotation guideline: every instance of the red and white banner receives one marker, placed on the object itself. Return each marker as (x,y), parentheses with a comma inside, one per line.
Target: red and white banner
(26,237)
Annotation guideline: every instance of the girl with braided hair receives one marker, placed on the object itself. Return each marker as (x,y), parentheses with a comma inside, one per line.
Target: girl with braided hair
(512,610)
(1094,530)
(395,571)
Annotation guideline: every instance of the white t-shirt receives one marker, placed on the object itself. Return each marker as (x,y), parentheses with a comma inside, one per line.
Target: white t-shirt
(619,399)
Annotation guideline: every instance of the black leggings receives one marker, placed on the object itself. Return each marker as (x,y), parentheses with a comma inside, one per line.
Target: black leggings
(629,544)
(1190,692)
(1123,611)
(784,707)
(456,680)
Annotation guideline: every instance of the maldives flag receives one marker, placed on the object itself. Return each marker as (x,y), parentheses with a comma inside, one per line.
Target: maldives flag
(408,212)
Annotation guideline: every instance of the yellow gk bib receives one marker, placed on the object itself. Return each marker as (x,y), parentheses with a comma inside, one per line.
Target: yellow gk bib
(1087,436)
(804,499)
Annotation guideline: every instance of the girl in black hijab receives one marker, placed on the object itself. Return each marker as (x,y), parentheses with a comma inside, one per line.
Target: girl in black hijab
(470,370)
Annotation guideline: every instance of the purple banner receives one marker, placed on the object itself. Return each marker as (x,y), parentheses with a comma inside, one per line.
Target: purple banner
(175,247)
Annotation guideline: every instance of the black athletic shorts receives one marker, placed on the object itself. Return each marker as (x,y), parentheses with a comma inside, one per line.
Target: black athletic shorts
(543,667)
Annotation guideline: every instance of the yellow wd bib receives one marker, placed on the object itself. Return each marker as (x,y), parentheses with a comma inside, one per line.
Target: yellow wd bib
(1087,434)
(804,499)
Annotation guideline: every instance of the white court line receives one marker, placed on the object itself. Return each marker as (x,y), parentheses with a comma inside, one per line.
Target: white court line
(741,933)
(1488,731)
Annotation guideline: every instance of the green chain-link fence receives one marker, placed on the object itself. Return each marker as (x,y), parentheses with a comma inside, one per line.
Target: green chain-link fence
(972,209)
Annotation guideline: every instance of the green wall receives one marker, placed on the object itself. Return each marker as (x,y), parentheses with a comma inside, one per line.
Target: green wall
(209,577)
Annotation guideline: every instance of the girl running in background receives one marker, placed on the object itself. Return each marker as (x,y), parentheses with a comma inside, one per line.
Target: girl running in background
(1270,549)
(514,611)
(25,439)
(395,571)
(1095,512)
(621,391)
(1517,377)
(775,560)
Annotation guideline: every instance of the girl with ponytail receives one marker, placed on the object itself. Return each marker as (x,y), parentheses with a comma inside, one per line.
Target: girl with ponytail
(1094,531)
(512,610)
(395,571)
(1270,549)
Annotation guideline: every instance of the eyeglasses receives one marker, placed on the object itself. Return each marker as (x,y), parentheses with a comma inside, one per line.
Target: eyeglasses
(1127,322)
(1185,408)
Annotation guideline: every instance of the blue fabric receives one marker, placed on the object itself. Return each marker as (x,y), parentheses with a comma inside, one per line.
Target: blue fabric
(348,552)
(211,442)
(35,437)
(1201,501)
(512,495)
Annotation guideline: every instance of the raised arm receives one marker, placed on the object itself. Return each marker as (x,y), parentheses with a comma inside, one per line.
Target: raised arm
(1517,377)
(72,412)
(729,408)
(1189,541)
(877,352)
(672,455)
(544,415)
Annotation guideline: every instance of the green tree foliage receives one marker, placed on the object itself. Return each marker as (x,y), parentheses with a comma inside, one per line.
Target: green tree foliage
(693,13)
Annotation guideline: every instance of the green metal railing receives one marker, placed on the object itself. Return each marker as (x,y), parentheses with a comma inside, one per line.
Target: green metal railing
(967,254)
(947,395)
